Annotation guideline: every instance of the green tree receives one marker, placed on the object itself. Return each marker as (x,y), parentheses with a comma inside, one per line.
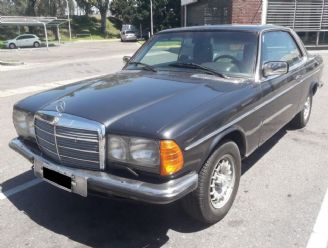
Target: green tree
(86,5)
(102,6)
(166,12)
(13,7)
(124,10)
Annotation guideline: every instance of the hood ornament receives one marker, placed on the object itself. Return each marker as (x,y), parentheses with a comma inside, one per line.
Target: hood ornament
(60,107)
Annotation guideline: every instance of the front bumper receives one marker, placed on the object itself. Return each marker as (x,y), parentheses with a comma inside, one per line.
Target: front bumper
(85,181)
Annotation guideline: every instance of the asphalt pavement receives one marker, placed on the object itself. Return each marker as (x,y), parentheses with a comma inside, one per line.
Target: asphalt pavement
(281,191)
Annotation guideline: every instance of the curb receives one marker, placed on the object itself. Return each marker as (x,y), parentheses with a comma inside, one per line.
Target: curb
(12,63)
(90,41)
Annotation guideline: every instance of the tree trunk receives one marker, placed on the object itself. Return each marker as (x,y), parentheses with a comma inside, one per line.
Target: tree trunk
(54,31)
(103,14)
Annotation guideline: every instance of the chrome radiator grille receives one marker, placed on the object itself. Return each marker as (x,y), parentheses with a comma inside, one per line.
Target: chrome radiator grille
(70,141)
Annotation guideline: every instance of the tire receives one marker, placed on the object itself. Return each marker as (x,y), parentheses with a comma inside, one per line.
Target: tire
(36,44)
(303,117)
(12,46)
(199,204)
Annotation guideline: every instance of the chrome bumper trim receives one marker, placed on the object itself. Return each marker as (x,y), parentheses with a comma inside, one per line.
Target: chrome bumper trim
(111,185)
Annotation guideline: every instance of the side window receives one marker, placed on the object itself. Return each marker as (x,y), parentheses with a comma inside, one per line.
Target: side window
(280,46)
(21,37)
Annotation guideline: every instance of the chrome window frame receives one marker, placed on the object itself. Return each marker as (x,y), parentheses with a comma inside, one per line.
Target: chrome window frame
(258,74)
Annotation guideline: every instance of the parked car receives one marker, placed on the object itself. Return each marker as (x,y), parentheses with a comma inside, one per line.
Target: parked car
(177,121)
(129,35)
(25,40)
(128,27)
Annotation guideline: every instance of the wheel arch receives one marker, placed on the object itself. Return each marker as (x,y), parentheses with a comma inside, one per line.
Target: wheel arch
(314,87)
(235,134)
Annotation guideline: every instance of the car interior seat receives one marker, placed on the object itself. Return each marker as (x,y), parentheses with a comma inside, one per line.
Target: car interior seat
(203,52)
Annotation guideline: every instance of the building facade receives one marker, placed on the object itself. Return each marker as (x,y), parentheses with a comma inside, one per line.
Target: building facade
(309,18)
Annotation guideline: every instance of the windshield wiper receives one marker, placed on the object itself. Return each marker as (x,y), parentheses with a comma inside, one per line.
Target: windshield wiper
(197,66)
(146,66)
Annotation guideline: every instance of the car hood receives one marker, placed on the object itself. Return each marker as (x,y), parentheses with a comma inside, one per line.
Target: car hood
(137,102)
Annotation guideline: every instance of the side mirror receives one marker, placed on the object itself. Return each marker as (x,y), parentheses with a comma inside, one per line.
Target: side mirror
(273,68)
(126,59)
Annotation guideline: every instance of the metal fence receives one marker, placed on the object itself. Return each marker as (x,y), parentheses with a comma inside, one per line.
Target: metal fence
(309,18)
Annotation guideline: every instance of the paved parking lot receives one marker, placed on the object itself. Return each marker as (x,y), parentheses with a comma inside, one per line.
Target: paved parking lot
(280,195)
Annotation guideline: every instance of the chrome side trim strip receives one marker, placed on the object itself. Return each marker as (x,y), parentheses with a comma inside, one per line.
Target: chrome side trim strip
(214,133)
(275,115)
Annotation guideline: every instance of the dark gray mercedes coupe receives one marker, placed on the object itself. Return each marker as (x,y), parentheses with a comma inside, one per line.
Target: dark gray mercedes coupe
(177,121)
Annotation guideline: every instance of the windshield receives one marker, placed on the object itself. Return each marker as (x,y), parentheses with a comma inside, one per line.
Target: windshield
(231,53)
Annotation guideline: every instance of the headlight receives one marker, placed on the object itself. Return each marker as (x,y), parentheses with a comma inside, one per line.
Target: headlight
(24,123)
(164,157)
(117,148)
(143,152)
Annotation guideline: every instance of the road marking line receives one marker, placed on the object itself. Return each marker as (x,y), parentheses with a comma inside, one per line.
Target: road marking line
(22,187)
(319,235)
(60,62)
(40,87)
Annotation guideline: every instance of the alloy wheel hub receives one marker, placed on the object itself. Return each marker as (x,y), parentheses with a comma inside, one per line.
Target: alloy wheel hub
(222,183)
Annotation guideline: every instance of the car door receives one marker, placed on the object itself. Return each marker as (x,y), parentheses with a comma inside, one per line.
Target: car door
(280,96)
(20,41)
(29,40)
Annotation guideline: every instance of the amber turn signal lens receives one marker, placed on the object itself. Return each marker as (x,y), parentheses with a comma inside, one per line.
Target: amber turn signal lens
(171,157)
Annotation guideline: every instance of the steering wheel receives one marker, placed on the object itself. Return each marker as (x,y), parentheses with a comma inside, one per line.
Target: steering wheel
(235,61)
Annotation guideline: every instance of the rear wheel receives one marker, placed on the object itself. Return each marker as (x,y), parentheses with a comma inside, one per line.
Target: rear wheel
(12,46)
(303,117)
(217,185)
(36,44)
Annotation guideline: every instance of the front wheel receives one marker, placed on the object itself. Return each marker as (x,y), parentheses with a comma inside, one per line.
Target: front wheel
(12,46)
(217,185)
(303,117)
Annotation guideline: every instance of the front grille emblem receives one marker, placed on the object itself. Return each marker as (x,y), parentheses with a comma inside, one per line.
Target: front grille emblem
(60,106)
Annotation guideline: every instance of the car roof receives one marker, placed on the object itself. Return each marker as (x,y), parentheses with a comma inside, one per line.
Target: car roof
(226,27)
